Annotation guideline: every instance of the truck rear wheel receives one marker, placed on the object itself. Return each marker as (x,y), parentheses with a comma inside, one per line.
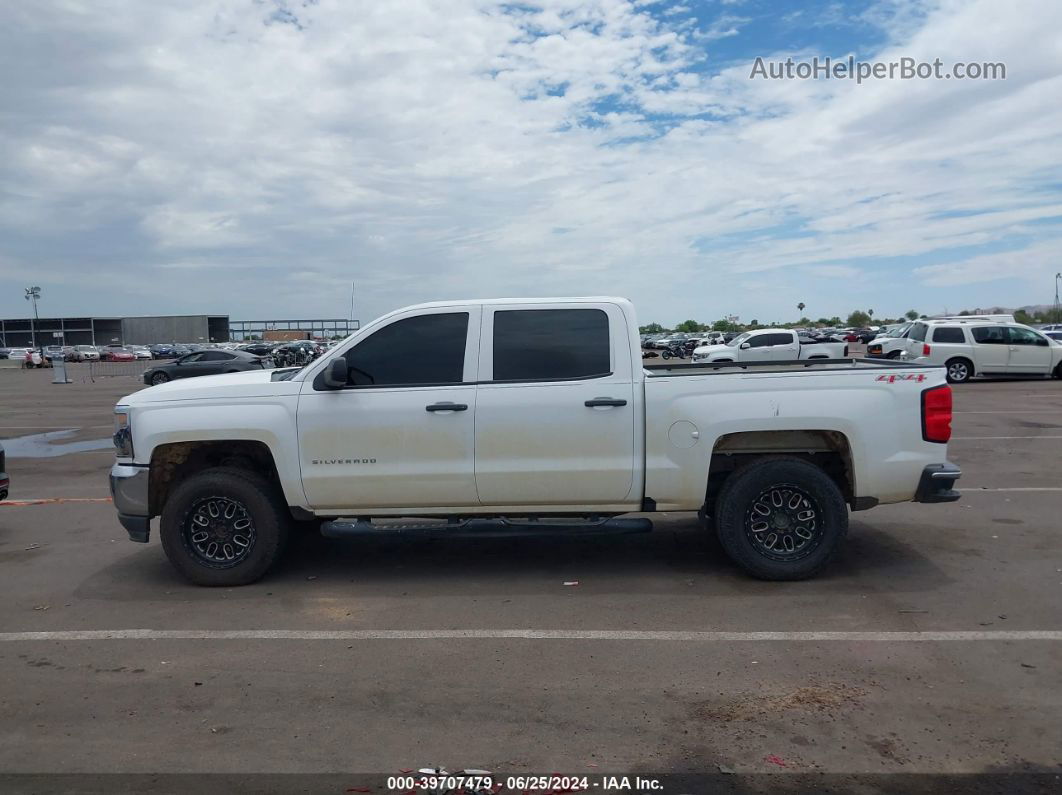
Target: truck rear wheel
(781,518)
(224,527)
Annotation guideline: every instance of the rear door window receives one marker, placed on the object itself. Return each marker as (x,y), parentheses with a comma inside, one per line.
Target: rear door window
(948,334)
(551,344)
(989,335)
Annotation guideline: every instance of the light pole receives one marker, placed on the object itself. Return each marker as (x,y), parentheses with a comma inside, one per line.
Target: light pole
(32,294)
(1058,309)
(351,323)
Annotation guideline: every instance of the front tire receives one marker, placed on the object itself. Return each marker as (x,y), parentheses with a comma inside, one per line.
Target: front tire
(959,370)
(159,378)
(781,518)
(224,527)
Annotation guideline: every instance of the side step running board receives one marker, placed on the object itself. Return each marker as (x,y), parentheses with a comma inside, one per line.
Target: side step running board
(487,528)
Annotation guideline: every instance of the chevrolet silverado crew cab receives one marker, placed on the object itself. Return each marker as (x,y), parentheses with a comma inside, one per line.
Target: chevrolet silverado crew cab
(767,345)
(482,416)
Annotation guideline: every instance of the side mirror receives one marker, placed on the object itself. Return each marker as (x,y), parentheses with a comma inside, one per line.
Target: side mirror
(745,346)
(337,373)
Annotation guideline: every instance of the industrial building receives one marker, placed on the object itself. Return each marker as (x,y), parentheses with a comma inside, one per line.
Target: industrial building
(292,329)
(23,332)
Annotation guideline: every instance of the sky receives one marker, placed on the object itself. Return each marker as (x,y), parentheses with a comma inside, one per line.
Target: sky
(255,157)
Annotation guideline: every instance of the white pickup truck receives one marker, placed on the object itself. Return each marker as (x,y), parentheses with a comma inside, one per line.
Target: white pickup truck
(483,417)
(769,345)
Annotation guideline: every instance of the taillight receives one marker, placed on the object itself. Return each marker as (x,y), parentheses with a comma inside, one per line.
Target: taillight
(925,349)
(936,414)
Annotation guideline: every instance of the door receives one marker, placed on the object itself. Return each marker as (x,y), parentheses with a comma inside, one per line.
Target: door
(756,348)
(214,362)
(555,408)
(990,349)
(189,365)
(400,434)
(782,346)
(1030,352)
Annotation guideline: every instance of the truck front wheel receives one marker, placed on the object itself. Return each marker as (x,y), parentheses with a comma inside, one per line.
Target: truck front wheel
(224,527)
(781,518)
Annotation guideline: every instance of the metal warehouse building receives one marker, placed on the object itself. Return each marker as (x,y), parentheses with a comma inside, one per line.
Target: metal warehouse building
(20,332)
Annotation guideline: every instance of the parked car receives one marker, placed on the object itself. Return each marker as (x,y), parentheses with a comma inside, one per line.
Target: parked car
(53,352)
(197,363)
(406,418)
(141,352)
(14,353)
(85,353)
(258,348)
(769,344)
(5,481)
(162,351)
(967,349)
(890,345)
(116,353)
(1054,335)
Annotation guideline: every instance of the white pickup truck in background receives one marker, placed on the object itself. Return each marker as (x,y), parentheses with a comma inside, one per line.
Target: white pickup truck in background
(483,416)
(769,345)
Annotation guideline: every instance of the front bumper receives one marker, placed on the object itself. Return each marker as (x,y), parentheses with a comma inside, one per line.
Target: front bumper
(936,483)
(129,489)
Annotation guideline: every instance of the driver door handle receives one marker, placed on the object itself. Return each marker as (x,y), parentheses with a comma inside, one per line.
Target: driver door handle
(604,402)
(447,407)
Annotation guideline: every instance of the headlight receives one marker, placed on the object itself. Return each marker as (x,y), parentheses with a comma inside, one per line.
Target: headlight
(123,433)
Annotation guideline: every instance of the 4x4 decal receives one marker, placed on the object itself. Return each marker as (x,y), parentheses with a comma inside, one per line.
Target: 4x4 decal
(892,379)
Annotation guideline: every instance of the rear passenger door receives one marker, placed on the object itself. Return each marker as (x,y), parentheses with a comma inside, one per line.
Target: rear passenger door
(991,352)
(1029,352)
(555,408)
(782,346)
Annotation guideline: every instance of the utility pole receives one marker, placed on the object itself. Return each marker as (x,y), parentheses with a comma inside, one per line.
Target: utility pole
(350,324)
(1058,309)
(32,294)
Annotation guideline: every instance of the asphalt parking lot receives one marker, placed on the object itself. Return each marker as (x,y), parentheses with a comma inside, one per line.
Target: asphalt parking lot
(943,632)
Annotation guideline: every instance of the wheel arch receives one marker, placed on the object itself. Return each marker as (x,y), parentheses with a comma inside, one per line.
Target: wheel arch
(173,462)
(829,450)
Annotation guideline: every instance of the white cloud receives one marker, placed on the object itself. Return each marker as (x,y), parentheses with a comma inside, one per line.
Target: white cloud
(433,149)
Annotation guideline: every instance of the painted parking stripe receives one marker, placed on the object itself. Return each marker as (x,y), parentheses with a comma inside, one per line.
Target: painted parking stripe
(530,634)
(974,438)
(1015,488)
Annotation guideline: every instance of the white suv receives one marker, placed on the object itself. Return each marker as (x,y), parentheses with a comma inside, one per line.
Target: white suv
(979,347)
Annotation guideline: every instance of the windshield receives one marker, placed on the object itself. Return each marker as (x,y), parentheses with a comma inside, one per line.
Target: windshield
(899,331)
(739,339)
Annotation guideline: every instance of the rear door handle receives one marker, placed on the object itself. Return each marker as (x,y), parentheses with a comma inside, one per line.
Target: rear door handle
(446,407)
(604,402)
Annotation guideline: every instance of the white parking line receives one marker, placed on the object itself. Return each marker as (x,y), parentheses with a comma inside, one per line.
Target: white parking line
(1017,488)
(969,438)
(528,634)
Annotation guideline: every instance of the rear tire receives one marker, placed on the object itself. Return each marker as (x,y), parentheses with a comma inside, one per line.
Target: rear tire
(959,370)
(781,518)
(224,527)
(159,378)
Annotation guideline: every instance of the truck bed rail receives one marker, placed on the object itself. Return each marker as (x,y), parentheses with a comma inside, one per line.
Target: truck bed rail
(710,368)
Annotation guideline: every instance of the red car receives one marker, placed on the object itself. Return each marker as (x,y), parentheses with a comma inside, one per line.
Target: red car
(116,354)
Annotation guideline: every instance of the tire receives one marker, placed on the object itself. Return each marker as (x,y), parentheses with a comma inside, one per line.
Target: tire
(159,378)
(254,547)
(1058,371)
(665,355)
(959,370)
(893,355)
(759,487)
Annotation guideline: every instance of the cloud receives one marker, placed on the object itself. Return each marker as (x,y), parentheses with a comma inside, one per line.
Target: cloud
(432,150)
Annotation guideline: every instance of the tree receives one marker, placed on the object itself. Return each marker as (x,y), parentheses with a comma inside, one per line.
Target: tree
(859,318)
(689,326)
(754,322)
(870,313)
(723,325)
(800,306)
(911,314)
(652,328)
